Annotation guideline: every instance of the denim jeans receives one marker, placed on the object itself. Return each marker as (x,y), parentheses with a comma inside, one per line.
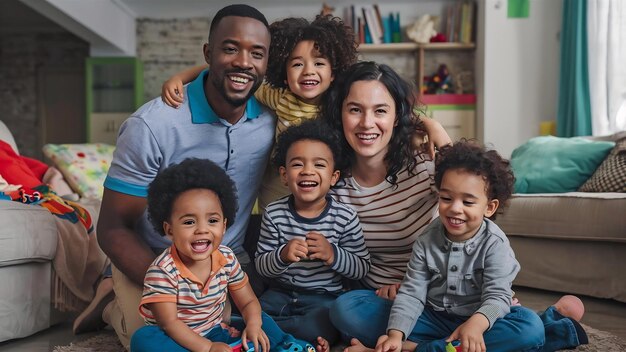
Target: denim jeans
(302,314)
(520,330)
(561,332)
(153,339)
(364,315)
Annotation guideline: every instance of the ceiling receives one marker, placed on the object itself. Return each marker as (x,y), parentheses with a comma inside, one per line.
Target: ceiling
(17,17)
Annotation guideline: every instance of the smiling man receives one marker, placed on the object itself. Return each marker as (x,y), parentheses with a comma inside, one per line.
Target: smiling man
(220,121)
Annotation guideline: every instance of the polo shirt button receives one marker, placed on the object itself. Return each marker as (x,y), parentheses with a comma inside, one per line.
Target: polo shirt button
(453,287)
(232,151)
(455,249)
(454,268)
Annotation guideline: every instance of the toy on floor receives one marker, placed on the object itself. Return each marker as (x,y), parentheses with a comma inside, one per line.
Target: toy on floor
(454,346)
(237,346)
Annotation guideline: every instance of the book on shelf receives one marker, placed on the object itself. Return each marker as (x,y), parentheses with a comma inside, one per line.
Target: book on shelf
(371,26)
(460,17)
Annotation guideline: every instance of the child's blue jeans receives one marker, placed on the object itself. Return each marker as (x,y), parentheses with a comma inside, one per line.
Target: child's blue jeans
(302,314)
(153,338)
(362,314)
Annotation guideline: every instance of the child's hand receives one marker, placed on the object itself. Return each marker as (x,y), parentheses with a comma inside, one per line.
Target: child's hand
(470,333)
(389,343)
(320,248)
(172,92)
(388,291)
(295,250)
(257,336)
(219,347)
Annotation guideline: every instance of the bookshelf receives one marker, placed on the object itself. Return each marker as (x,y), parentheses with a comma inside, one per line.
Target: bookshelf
(419,50)
(455,112)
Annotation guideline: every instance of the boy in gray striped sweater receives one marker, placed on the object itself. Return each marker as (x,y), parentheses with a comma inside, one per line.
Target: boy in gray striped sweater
(309,242)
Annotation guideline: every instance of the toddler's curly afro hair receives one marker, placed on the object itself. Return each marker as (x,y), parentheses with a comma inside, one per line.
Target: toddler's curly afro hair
(190,174)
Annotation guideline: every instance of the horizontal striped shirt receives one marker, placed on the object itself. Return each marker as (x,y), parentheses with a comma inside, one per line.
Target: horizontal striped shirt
(392,218)
(199,305)
(338,223)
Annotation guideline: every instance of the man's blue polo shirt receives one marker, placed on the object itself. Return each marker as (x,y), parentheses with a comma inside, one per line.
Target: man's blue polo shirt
(157,136)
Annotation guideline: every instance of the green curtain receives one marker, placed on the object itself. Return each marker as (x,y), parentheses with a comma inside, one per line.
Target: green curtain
(574,110)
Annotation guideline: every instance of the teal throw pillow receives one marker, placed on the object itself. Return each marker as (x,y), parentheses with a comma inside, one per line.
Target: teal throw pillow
(551,164)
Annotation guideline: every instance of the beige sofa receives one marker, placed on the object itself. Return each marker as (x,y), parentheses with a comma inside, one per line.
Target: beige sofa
(570,242)
(30,243)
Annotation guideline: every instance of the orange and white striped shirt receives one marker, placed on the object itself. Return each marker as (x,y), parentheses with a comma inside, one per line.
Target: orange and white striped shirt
(199,305)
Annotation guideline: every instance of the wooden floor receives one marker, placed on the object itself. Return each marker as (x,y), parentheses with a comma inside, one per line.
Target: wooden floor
(607,315)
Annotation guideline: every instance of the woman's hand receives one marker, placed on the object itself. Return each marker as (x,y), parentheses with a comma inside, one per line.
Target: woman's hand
(388,291)
(172,91)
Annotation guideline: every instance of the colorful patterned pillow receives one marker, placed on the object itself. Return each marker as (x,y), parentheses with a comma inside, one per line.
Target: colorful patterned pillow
(611,174)
(84,166)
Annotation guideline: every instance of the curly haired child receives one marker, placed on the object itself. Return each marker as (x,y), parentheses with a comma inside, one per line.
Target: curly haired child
(304,59)
(309,242)
(186,287)
(458,280)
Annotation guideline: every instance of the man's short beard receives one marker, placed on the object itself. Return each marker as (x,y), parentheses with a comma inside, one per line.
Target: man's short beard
(219,86)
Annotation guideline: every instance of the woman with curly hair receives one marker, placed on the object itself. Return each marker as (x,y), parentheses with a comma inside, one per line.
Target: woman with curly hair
(393,188)
(304,59)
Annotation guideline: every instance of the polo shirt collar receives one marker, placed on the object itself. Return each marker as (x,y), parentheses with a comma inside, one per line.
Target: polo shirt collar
(218,261)
(201,111)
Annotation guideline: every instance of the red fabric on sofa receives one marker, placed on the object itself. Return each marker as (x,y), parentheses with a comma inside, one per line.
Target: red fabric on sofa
(20,170)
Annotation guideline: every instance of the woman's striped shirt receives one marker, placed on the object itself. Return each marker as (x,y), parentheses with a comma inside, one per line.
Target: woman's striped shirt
(392,218)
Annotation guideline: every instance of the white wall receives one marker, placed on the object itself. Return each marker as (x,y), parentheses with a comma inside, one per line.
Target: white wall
(108,26)
(517,71)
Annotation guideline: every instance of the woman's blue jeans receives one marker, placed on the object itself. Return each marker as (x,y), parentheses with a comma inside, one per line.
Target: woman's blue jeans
(363,315)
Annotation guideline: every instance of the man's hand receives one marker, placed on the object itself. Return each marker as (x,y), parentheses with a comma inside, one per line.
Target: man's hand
(320,248)
(388,291)
(295,250)
(470,333)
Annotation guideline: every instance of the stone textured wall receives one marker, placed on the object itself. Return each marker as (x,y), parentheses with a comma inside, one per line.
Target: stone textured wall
(21,55)
(166,46)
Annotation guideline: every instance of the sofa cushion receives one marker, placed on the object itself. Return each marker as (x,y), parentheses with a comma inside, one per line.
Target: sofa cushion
(611,174)
(28,233)
(551,164)
(84,166)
